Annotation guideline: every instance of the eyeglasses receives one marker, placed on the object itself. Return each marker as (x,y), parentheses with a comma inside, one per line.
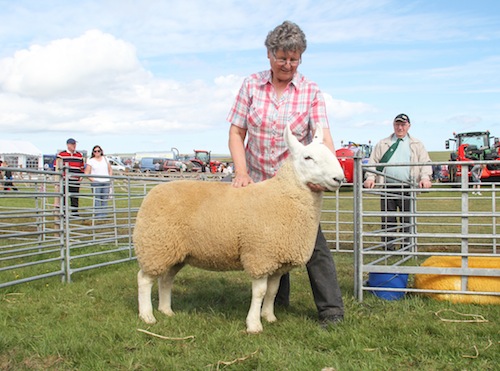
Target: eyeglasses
(282,61)
(97,151)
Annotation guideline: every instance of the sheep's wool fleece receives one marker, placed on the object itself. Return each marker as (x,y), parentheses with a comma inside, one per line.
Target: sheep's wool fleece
(262,228)
(447,282)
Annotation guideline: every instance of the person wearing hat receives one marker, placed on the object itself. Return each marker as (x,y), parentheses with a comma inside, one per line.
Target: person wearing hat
(399,147)
(72,159)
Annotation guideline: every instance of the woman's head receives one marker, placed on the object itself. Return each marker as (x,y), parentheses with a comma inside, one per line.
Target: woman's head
(97,150)
(287,37)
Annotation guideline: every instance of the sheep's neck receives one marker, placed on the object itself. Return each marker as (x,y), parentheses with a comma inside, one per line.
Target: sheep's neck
(289,181)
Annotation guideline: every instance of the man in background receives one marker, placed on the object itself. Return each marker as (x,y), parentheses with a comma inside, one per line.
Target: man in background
(74,161)
(399,147)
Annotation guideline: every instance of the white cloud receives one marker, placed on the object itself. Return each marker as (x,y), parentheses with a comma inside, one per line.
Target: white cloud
(95,83)
(342,110)
(85,64)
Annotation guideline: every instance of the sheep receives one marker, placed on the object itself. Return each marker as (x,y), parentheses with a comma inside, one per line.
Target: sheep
(265,229)
(454,282)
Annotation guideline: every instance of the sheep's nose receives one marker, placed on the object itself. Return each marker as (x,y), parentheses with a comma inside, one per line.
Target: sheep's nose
(339,180)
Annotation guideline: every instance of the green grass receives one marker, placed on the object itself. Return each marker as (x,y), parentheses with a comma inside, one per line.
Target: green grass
(91,324)
(437,156)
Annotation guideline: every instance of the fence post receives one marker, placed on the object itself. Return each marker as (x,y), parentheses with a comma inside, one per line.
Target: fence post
(357,227)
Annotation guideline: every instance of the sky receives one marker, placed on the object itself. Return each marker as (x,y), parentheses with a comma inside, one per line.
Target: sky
(151,75)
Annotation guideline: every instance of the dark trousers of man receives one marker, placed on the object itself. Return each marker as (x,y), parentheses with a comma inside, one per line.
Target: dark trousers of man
(392,202)
(74,187)
(323,279)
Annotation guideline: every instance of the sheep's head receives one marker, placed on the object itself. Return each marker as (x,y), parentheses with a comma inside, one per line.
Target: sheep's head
(315,163)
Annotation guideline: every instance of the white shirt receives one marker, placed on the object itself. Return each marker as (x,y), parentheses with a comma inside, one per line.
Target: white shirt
(98,168)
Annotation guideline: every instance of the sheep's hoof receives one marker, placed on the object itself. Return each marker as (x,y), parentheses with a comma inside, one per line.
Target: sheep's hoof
(269,317)
(169,312)
(254,329)
(148,318)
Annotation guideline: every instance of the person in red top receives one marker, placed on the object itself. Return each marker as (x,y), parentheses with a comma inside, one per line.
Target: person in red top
(74,161)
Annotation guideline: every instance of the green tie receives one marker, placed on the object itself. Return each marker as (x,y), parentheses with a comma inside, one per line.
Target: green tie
(387,156)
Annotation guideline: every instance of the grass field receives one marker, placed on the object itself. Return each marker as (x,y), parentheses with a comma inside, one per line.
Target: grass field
(92,324)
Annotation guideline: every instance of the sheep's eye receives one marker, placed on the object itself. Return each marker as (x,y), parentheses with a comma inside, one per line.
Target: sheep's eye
(307,158)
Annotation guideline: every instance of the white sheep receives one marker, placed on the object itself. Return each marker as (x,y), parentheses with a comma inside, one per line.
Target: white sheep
(265,229)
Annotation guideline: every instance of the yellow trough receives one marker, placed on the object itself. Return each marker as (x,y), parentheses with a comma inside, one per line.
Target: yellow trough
(446,282)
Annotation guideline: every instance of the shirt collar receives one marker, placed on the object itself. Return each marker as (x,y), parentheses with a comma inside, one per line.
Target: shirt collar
(267,78)
(404,139)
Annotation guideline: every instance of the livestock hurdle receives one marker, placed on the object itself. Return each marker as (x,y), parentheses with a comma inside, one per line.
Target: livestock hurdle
(39,241)
(445,220)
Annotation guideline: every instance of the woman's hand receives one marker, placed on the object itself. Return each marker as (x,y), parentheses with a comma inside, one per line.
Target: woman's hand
(241,180)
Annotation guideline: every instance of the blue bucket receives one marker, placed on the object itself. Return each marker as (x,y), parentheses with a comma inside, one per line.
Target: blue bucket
(389,280)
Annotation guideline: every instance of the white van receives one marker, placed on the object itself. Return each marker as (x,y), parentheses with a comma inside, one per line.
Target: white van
(117,165)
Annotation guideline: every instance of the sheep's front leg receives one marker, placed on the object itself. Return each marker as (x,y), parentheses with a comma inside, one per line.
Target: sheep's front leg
(165,284)
(145,284)
(259,287)
(273,283)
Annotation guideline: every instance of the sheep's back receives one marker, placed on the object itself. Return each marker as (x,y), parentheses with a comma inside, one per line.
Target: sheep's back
(174,221)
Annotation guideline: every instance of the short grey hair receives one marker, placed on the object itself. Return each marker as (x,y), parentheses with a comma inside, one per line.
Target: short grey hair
(287,37)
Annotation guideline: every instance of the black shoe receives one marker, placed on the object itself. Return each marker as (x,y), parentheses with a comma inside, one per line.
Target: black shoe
(331,320)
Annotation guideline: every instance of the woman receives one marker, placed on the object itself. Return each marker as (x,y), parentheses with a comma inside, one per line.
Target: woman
(99,165)
(268,101)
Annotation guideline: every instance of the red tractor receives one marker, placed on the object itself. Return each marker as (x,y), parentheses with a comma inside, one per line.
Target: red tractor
(346,154)
(203,158)
(474,146)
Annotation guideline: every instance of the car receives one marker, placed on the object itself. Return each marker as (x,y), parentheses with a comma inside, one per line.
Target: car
(171,165)
(117,165)
(174,166)
(150,164)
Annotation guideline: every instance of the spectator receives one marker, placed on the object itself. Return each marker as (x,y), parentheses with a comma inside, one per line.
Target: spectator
(99,165)
(264,105)
(9,181)
(72,159)
(399,147)
(476,173)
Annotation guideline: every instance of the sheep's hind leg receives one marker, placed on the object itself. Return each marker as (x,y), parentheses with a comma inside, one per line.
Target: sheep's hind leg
(145,284)
(259,287)
(165,284)
(273,283)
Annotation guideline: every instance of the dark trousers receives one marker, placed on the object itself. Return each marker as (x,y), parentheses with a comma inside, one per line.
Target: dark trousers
(323,279)
(9,185)
(74,187)
(394,201)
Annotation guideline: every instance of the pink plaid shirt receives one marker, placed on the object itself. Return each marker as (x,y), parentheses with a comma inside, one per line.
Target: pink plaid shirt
(258,110)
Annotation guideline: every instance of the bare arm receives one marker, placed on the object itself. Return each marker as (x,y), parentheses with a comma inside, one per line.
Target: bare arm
(237,137)
(87,171)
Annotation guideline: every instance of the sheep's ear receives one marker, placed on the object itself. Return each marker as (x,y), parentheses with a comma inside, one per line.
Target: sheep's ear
(291,141)
(318,134)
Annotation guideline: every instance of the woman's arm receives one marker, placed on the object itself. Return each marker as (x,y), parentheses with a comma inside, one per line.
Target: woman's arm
(237,137)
